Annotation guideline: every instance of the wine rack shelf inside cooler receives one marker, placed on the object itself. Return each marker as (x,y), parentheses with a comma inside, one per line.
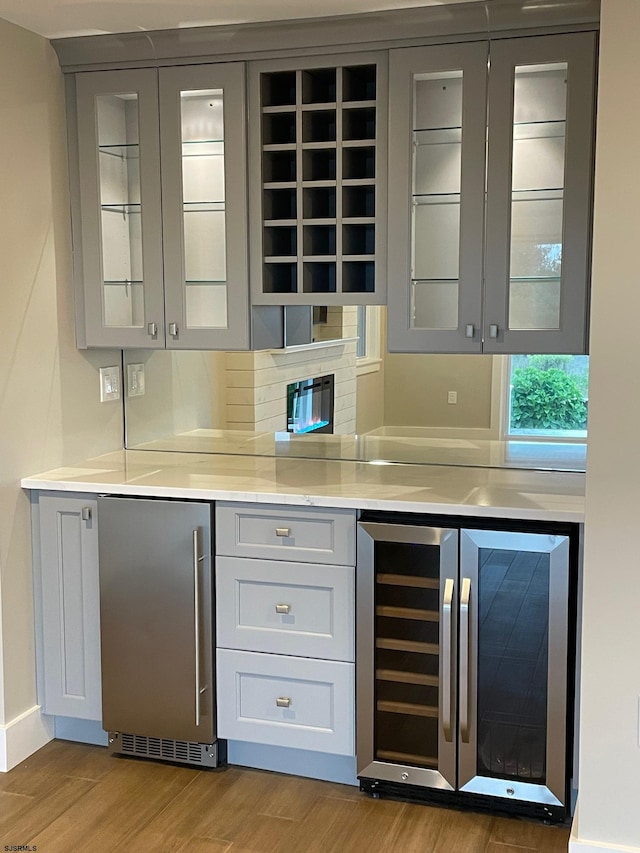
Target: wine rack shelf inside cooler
(406,658)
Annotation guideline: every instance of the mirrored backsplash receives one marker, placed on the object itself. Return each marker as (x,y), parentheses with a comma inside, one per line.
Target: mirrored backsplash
(385,407)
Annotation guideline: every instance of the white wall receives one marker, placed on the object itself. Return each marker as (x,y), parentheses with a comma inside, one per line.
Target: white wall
(609,780)
(50,413)
(416,386)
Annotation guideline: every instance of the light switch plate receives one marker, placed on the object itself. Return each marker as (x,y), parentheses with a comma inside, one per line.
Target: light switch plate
(109,383)
(135,380)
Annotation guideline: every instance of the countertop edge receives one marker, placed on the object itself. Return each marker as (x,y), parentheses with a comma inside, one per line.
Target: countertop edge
(41,483)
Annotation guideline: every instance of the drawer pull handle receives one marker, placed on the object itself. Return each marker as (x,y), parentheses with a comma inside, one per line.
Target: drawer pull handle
(283,701)
(283,531)
(283,608)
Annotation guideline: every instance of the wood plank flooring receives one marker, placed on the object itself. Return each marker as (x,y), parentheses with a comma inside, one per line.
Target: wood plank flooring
(72,797)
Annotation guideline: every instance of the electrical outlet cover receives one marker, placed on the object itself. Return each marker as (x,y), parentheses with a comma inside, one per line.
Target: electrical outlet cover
(109,383)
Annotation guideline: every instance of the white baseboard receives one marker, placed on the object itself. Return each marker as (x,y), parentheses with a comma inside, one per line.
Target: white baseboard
(576,846)
(23,736)
(579,845)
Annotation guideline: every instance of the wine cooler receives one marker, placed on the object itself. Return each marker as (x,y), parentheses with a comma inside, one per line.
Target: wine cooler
(463,664)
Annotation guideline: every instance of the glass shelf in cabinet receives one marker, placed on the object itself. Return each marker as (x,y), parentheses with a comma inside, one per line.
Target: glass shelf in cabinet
(199,281)
(437,136)
(550,278)
(122,281)
(542,194)
(203,148)
(436,198)
(539,129)
(126,151)
(123,209)
(203,206)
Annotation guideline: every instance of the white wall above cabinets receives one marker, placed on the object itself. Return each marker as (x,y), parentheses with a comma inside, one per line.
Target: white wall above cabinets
(490,206)
(160,207)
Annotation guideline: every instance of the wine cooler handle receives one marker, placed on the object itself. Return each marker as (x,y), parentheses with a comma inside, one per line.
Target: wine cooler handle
(465,595)
(447,643)
(196,613)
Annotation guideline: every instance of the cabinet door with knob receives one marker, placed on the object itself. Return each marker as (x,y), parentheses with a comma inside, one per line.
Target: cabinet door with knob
(68,601)
(490,209)
(160,207)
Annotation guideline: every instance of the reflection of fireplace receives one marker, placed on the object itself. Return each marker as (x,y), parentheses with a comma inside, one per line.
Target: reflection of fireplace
(310,405)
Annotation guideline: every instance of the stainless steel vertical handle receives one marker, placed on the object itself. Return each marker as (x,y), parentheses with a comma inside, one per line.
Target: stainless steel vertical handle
(152,329)
(493,330)
(469,330)
(85,513)
(447,643)
(173,330)
(196,615)
(465,596)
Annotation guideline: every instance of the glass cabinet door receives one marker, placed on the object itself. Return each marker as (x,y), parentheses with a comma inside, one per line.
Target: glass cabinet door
(120,219)
(513,665)
(539,193)
(202,128)
(436,200)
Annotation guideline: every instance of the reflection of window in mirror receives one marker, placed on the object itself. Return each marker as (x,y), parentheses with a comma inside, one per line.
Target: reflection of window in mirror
(368,330)
(546,397)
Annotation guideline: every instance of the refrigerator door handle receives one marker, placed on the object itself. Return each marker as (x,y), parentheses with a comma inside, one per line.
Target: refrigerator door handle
(465,595)
(196,615)
(447,643)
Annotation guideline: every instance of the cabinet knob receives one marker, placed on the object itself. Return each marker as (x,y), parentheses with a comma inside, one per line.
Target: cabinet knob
(283,608)
(469,330)
(283,531)
(85,513)
(493,330)
(173,330)
(283,702)
(152,330)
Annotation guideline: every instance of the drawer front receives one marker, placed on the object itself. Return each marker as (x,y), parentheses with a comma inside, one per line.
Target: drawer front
(285,608)
(286,533)
(286,701)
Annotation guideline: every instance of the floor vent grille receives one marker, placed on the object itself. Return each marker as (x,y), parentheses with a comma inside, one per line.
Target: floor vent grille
(166,749)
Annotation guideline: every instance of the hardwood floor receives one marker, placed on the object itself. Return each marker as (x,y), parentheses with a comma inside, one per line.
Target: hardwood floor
(72,797)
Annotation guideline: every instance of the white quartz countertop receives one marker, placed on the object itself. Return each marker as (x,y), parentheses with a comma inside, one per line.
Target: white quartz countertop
(439,489)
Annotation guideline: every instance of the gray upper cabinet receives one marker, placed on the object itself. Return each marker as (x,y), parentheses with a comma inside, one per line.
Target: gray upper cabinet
(318,171)
(160,225)
(491,147)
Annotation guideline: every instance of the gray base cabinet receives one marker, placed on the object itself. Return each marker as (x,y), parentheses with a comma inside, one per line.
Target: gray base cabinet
(285,626)
(68,599)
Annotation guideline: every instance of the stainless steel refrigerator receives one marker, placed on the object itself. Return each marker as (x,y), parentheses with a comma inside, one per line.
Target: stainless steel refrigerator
(463,665)
(157,635)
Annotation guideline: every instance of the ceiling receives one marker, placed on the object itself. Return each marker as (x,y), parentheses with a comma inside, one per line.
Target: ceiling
(61,18)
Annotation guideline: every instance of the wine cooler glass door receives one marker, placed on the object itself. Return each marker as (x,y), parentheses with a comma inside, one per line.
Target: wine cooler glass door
(406,654)
(513,665)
